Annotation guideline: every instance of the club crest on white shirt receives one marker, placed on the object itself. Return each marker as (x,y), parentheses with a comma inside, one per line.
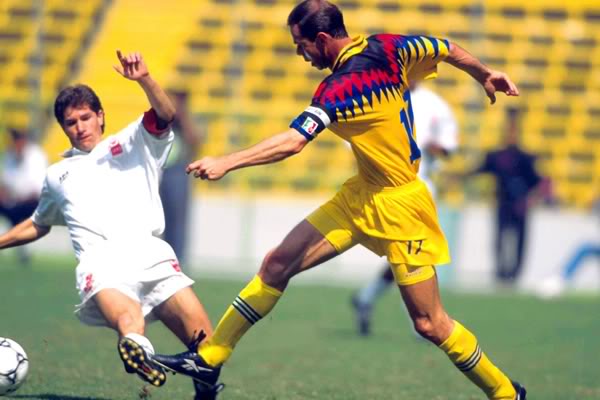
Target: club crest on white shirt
(115,147)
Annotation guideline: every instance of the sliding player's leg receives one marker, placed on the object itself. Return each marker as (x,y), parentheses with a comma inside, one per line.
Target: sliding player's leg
(185,316)
(125,315)
(419,289)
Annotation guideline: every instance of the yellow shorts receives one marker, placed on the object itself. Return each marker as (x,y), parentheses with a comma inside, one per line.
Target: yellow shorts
(398,222)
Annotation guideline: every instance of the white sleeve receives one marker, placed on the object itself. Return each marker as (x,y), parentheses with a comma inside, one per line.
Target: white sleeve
(446,129)
(48,212)
(141,136)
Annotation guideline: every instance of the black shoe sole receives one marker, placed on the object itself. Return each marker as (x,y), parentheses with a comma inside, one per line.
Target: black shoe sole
(137,361)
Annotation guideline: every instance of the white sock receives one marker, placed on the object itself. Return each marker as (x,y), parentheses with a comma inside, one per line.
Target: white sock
(368,294)
(142,341)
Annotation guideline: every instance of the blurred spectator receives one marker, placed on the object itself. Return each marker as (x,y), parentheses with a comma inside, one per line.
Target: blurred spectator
(516,183)
(175,186)
(555,285)
(437,137)
(23,171)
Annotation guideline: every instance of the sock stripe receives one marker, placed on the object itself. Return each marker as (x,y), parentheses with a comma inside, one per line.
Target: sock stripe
(243,312)
(246,310)
(471,362)
(249,308)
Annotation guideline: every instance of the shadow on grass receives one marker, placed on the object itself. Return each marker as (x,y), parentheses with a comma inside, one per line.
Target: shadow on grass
(52,396)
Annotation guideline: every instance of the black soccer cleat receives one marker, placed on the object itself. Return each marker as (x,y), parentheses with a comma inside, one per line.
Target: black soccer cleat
(362,313)
(204,392)
(136,360)
(190,363)
(520,389)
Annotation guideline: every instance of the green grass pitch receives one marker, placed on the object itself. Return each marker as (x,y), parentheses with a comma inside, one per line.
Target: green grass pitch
(307,348)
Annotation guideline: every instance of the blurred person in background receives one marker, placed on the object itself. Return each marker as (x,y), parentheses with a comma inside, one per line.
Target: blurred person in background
(556,285)
(175,187)
(518,187)
(23,170)
(105,191)
(366,101)
(437,137)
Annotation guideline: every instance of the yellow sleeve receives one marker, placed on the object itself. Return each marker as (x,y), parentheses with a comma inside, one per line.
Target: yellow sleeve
(421,54)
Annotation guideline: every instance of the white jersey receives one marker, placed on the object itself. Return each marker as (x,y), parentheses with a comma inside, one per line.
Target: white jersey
(108,198)
(435,124)
(23,177)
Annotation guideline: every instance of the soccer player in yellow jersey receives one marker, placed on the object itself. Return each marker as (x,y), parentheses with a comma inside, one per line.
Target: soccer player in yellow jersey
(385,207)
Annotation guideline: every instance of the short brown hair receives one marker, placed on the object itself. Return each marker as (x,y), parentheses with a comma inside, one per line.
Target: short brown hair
(314,16)
(76,96)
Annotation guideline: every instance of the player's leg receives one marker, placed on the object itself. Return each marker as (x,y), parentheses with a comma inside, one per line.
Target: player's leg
(520,232)
(502,227)
(122,313)
(364,299)
(419,289)
(304,247)
(184,315)
(125,315)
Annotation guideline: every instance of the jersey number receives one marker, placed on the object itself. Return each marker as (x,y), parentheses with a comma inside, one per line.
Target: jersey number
(408,120)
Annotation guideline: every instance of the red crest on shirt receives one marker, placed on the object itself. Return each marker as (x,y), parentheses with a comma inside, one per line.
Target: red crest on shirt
(115,147)
(175,265)
(89,283)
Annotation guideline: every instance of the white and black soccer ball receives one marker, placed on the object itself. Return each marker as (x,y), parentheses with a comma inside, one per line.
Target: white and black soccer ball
(13,366)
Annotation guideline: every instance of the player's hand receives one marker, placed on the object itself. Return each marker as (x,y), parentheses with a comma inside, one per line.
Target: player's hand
(498,81)
(132,66)
(208,168)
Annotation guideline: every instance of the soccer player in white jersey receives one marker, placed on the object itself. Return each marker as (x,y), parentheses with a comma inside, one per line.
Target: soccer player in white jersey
(437,137)
(106,193)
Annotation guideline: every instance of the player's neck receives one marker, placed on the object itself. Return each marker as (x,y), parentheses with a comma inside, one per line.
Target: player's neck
(336,48)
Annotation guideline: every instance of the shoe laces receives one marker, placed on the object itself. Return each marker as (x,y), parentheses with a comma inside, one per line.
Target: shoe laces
(196,340)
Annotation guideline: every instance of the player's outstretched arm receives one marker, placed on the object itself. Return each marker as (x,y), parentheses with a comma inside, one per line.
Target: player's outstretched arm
(133,67)
(491,80)
(23,233)
(273,149)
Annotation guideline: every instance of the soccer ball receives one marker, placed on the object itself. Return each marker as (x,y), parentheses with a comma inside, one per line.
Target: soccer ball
(13,366)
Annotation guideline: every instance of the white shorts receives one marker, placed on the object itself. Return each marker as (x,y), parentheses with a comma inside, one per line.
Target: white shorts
(147,285)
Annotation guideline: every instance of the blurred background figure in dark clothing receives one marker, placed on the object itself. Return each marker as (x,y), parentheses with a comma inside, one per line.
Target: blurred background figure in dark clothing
(517,186)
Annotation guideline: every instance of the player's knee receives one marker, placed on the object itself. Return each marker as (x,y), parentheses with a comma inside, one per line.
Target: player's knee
(276,267)
(130,323)
(431,328)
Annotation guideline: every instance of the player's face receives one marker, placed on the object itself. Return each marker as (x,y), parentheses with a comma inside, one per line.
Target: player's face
(308,50)
(83,127)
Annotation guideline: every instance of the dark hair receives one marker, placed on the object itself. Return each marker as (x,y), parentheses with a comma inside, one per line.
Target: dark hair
(314,16)
(76,96)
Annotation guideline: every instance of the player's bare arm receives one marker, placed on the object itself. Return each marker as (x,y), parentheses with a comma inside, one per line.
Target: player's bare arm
(273,149)
(133,67)
(23,233)
(491,80)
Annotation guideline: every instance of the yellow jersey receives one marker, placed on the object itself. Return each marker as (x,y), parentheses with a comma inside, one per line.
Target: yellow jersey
(366,101)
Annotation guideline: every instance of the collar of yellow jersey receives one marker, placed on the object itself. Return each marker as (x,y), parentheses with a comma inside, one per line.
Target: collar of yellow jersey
(357,45)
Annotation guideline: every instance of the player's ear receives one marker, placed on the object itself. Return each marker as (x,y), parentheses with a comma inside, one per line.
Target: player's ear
(321,40)
(101,119)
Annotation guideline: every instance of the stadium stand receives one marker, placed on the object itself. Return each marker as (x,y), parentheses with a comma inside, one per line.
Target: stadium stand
(238,61)
(40,42)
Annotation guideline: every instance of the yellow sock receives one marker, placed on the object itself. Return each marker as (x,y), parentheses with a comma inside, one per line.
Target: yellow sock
(253,303)
(464,351)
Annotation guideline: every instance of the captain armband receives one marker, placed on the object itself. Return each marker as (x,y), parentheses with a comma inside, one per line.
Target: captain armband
(311,122)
